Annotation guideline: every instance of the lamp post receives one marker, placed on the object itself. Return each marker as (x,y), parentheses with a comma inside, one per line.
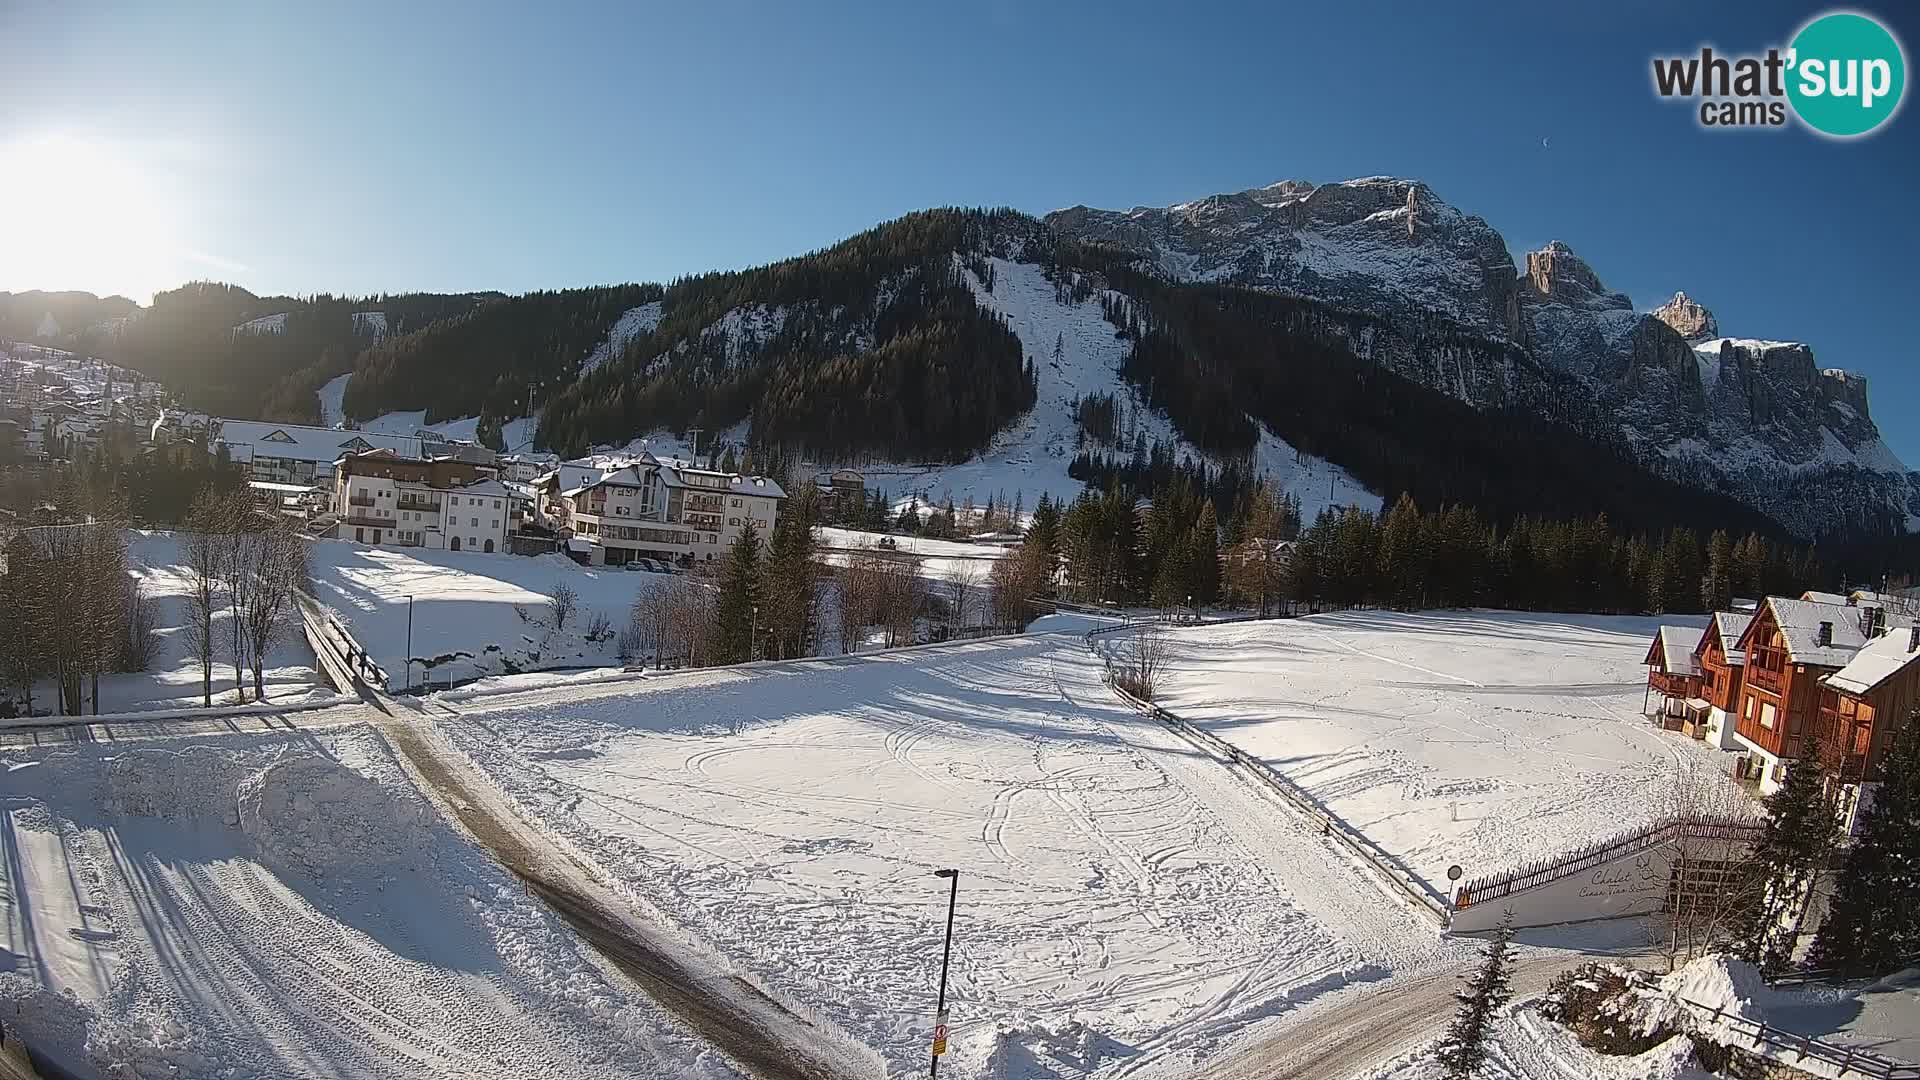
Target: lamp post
(409,642)
(940,1010)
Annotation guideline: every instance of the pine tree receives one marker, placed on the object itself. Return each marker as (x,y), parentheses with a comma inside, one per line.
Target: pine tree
(735,615)
(1463,1050)
(1205,548)
(789,608)
(1716,589)
(1801,832)
(1874,918)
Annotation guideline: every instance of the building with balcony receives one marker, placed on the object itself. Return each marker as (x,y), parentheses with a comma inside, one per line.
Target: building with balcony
(1722,665)
(647,508)
(1673,674)
(385,500)
(1791,647)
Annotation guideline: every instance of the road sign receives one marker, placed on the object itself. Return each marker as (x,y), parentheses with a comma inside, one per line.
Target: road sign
(940,1035)
(1454,872)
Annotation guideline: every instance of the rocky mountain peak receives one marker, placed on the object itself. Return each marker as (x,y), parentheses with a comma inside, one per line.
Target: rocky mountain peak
(1557,275)
(1688,318)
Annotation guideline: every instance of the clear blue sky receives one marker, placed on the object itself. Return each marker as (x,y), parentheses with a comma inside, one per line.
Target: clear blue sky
(511,146)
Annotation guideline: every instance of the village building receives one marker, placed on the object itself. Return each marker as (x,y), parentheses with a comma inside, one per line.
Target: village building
(1673,673)
(1791,646)
(298,453)
(1722,666)
(620,510)
(383,499)
(1862,705)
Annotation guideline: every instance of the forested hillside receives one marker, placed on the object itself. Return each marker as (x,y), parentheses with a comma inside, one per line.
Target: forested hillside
(229,352)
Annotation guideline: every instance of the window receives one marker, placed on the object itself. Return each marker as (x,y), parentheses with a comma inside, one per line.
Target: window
(496,504)
(736,504)
(495,523)
(733,521)
(1766,716)
(474,522)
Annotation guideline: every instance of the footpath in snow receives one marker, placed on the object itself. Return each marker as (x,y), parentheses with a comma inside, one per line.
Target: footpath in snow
(1123,900)
(1479,738)
(272,906)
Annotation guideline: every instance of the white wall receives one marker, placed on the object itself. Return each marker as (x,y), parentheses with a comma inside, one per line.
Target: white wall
(1635,883)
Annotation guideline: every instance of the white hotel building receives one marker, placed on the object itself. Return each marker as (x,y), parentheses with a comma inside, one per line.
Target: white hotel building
(389,501)
(645,507)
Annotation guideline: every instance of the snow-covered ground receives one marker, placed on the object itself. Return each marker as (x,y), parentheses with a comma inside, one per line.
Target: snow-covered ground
(941,560)
(466,608)
(1032,455)
(631,324)
(518,433)
(172,681)
(332,393)
(1113,911)
(1474,737)
(272,906)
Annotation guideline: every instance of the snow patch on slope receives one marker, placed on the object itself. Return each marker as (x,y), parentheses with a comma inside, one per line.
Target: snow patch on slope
(331,395)
(373,323)
(631,324)
(518,433)
(265,324)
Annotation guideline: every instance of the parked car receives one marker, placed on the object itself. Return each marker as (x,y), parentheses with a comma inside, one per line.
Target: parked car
(887,543)
(640,564)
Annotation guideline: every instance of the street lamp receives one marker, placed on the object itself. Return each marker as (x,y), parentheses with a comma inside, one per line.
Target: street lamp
(409,642)
(940,1010)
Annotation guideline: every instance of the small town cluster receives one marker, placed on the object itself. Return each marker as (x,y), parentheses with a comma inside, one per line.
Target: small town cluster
(415,490)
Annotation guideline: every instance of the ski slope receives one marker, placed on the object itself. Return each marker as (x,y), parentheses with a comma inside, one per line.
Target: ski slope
(1122,901)
(1473,737)
(1031,456)
(288,905)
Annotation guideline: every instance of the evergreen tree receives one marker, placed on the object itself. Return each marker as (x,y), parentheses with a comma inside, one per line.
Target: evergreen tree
(1463,1050)
(909,521)
(1716,589)
(1874,917)
(1044,530)
(1204,584)
(1801,832)
(1402,573)
(789,609)
(734,614)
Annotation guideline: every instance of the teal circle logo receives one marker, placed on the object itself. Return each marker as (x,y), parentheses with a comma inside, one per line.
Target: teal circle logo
(1846,74)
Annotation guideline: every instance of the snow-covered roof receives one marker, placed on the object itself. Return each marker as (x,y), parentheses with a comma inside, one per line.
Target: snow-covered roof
(299,442)
(1730,626)
(1818,597)
(490,487)
(1675,645)
(1881,659)
(1799,622)
(583,473)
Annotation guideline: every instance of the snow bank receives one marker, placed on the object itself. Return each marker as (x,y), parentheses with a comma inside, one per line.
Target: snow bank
(306,810)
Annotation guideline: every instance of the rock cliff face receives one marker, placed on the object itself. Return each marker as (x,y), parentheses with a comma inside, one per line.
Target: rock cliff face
(1757,419)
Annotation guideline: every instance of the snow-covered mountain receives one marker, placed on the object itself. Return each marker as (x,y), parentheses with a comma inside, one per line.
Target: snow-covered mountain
(1758,420)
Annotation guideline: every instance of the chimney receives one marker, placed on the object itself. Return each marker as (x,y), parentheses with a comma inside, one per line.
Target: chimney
(1825,637)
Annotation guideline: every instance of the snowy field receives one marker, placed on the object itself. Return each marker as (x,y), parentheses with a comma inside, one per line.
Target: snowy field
(940,560)
(1479,738)
(172,681)
(1114,911)
(466,608)
(289,906)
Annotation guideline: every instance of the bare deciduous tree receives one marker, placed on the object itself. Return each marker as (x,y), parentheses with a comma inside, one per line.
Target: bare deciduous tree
(1139,667)
(962,583)
(1711,880)
(562,604)
(278,561)
(202,550)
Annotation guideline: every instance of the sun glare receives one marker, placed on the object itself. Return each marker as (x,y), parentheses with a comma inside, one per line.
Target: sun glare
(82,215)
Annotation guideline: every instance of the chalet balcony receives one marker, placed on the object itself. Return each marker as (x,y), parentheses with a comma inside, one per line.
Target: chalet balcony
(429,505)
(359,500)
(1673,685)
(1766,679)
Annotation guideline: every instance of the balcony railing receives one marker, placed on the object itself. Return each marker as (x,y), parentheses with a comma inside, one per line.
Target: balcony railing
(359,500)
(1766,678)
(1674,685)
(418,504)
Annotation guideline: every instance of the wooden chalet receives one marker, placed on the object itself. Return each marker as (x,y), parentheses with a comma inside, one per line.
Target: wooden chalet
(1722,665)
(1860,706)
(1673,674)
(1791,645)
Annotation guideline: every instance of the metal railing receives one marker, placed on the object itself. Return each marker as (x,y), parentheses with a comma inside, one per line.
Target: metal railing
(1767,1037)
(1389,872)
